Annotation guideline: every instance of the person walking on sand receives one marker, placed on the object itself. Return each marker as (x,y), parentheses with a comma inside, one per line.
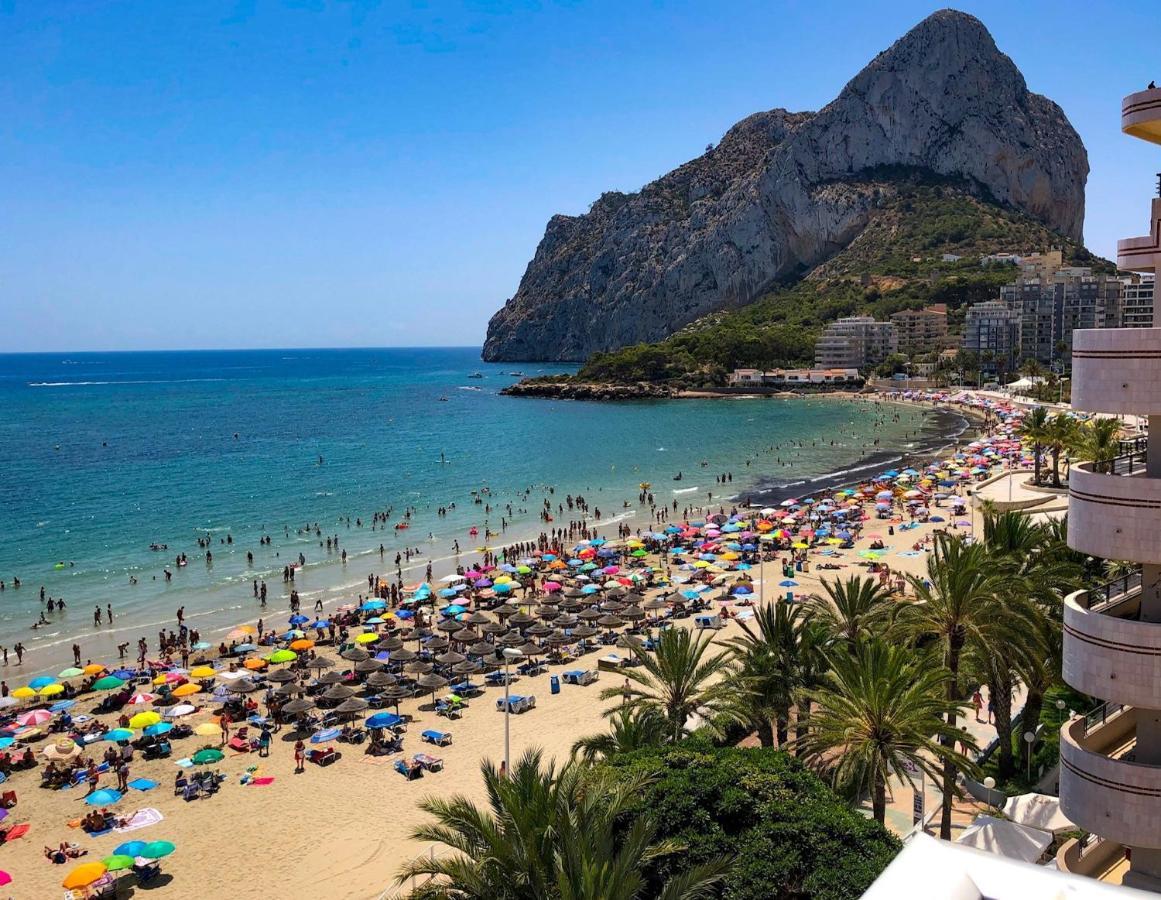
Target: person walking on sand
(626,693)
(977,703)
(299,757)
(224,724)
(264,741)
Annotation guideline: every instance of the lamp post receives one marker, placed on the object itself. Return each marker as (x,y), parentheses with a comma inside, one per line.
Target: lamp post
(1029,739)
(990,784)
(510,653)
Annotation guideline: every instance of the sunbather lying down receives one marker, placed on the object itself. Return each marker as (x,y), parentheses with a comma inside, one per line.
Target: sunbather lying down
(60,855)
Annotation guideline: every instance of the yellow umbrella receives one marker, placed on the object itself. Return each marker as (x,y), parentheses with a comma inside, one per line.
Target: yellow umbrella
(207,729)
(368,638)
(799,545)
(144,719)
(51,690)
(23,692)
(203,672)
(84,875)
(93,669)
(186,690)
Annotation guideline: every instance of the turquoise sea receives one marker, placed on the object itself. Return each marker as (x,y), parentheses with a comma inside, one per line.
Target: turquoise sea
(104,454)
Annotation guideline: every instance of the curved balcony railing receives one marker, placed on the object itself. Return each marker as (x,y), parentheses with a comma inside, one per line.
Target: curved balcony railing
(1108,651)
(1115,516)
(1116,370)
(1101,789)
(1141,115)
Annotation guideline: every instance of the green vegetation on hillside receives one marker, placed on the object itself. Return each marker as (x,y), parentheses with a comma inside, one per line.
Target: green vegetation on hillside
(894,264)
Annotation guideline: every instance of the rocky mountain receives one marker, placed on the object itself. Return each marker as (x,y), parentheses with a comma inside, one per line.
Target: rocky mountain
(785,191)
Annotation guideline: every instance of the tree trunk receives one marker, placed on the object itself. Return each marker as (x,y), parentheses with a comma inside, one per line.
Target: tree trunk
(1033,707)
(765,731)
(1055,467)
(783,729)
(1036,462)
(955,645)
(801,713)
(1000,689)
(879,799)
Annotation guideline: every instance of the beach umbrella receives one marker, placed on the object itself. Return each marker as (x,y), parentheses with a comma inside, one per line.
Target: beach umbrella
(369,665)
(203,672)
(283,656)
(157,729)
(320,662)
(381,680)
(108,683)
(143,719)
(24,693)
(354,654)
(299,706)
(383,720)
(157,849)
(299,645)
(186,690)
(241,686)
(327,734)
(35,717)
(254,664)
(103,797)
(331,678)
(352,705)
(207,757)
(282,676)
(368,637)
(62,749)
(338,692)
(84,875)
(42,681)
(142,699)
(62,705)
(117,735)
(71,672)
(207,729)
(117,862)
(129,848)
(93,669)
(181,709)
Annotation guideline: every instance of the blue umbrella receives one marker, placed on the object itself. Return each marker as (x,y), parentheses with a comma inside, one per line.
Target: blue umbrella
(373,605)
(447,593)
(43,681)
(321,623)
(244,648)
(742,589)
(453,610)
(6,742)
(202,645)
(158,729)
(62,705)
(788,583)
(375,620)
(103,797)
(298,619)
(130,848)
(327,734)
(505,588)
(125,674)
(383,720)
(404,614)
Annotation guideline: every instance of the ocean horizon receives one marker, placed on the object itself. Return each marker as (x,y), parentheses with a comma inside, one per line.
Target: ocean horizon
(108,453)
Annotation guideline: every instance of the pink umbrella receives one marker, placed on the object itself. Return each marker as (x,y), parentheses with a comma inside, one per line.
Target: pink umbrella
(142,699)
(35,717)
(551,586)
(611,570)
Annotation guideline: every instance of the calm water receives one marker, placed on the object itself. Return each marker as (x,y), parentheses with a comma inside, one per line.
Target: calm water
(103,454)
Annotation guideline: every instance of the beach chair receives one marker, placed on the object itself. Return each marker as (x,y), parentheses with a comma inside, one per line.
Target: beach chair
(409,769)
(448,709)
(191,791)
(179,785)
(439,738)
(324,757)
(239,744)
(580,676)
(429,763)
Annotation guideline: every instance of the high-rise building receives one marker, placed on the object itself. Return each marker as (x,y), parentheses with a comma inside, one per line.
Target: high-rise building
(1137,301)
(992,330)
(921,330)
(1054,302)
(1110,760)
(855,342)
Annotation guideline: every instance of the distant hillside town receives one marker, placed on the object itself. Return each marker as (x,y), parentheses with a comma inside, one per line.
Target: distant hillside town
(1031,321)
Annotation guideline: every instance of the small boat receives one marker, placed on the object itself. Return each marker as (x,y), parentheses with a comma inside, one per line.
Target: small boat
(443,399)
(401,526)
(516,374)
(476,375)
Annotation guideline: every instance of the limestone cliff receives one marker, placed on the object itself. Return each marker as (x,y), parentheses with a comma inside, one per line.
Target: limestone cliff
(778,195)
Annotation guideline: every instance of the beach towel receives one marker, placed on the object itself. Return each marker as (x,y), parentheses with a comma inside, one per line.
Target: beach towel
(266,779)
(184,763)
(142,784)
(18,831)
(141,819)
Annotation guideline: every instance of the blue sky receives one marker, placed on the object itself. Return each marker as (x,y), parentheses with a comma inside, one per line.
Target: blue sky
(255,174)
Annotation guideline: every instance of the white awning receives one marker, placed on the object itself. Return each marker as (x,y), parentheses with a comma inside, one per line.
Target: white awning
(1038,811)
(1005,838)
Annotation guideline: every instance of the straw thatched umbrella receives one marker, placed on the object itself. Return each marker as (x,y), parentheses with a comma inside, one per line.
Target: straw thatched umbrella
(299,706)
(382,680)
(608,621)
(519,619)
(481,648)
(338,692)
(448,625)
(557,638)
(450,658)
(467,667)
(369,665)
(290,689)
(419,667)
(320,662)
(432,682)
(537,630)
(548,613)
(466,636)
(511,639)
(282,676)
(392,643)
(475,618)
(438,643)
(331,678)
(351,705)
(402,655)
(655,604)
(584,631)
(590,614)
(241,686)
(633,613)
(355,654)
(494,628)
(505,609)
(531,649)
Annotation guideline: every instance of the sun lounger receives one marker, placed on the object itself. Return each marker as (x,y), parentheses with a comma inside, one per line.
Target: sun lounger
(611,662)
(409,769)
(580,676)
(439,738)
(324,757)
(239,745)
(449,709)
(517,704)
(497,678)
(429,763)
(466,688)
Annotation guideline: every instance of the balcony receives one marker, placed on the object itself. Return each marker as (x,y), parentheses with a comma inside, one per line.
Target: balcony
(1117,370)
(1141,115)
(1108,651)
(1102,788)
(1115,515)
(1142,254)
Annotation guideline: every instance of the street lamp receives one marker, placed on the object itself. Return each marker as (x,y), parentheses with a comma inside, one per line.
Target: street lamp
(1029,739)
(510,653)
(990,785)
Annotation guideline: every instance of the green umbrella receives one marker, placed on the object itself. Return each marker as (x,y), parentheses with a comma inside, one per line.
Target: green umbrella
(71,672)
(639,553)
(207,756)
(158,849)
(118,862)
(281,656)
(108,683)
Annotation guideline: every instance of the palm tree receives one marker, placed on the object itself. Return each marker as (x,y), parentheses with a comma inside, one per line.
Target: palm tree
(881,714)
(549,834)
(632,729)
(1061,436)
(678,680)
(853,609)
(956,604)
(770,664)
(1099,441)
(1034,428)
